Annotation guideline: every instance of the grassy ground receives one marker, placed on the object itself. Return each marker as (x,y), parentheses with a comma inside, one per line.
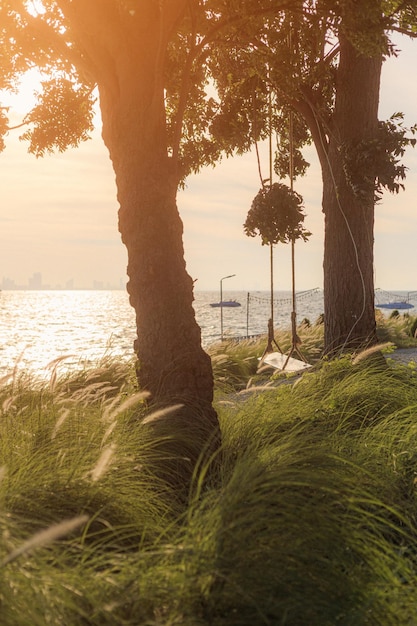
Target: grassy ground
(310,518)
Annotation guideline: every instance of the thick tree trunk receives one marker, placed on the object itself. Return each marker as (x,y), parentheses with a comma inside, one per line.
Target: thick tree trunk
(124,50)
(349,314)
(172,364)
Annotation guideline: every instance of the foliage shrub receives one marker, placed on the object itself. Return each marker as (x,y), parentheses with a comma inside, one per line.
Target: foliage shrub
(276,215)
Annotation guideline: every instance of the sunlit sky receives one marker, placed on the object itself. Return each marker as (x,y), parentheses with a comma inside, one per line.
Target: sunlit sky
(58,214)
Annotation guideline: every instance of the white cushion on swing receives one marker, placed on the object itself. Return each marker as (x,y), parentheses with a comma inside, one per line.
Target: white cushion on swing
(278,360)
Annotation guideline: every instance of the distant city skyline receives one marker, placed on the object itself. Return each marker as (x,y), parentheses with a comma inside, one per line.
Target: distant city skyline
(35,282)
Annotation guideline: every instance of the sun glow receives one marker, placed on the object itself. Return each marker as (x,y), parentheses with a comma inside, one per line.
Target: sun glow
(24,99)
(35,7)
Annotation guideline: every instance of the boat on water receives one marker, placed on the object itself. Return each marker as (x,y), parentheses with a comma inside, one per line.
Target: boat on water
(225,303)
(395,305)
(394,301)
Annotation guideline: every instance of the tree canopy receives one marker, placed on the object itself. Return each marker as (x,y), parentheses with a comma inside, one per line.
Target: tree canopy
(292,55)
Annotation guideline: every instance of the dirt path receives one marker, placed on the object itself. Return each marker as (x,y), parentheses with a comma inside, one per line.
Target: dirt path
(403,355)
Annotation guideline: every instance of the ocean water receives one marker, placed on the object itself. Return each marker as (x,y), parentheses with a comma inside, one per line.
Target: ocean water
(82,327)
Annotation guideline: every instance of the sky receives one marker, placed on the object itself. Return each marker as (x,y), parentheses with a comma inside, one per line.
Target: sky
(58,214)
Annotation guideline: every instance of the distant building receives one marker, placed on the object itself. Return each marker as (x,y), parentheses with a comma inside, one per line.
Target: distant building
(35,281)
(8,283)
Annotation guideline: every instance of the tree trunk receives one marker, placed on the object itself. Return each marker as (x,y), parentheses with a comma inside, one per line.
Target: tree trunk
(172,364)
(125,52)
(349,314)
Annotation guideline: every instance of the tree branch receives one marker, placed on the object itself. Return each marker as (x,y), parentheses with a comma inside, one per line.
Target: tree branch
(182,102)
(84,18)
(235,20)
(403,31)
(24,123)
(318,133)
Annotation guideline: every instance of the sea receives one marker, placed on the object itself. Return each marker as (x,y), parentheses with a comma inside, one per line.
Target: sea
(70,330)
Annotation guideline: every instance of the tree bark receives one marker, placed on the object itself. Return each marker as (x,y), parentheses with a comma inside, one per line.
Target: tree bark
(349,313)
(124,52)
(172,365)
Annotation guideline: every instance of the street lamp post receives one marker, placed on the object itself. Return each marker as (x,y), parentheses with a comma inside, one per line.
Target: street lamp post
(221,303)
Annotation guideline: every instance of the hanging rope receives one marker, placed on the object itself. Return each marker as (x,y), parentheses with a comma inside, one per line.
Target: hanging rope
(271,337)
(255,138)
(295,339)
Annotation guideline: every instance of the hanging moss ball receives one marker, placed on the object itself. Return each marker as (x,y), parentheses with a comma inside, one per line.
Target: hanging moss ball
(276,215)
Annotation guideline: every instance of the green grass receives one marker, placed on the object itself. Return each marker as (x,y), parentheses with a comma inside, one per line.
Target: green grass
(310,519)
(399,329)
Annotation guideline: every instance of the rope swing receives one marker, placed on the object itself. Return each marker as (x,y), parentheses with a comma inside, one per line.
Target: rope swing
(276,215)
(295,340)
(271,336)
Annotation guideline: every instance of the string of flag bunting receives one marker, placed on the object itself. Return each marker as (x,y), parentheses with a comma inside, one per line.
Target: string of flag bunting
(300,295)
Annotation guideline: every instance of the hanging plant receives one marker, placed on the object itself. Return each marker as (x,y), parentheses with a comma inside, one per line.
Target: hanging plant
(276,215)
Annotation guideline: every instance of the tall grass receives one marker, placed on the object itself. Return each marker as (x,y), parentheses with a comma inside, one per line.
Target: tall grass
(310,518)
(400,329)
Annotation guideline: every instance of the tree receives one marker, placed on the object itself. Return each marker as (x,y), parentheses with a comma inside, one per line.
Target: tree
(323,61)
(151,93)
(349,311)
(352,135)
(149,62)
